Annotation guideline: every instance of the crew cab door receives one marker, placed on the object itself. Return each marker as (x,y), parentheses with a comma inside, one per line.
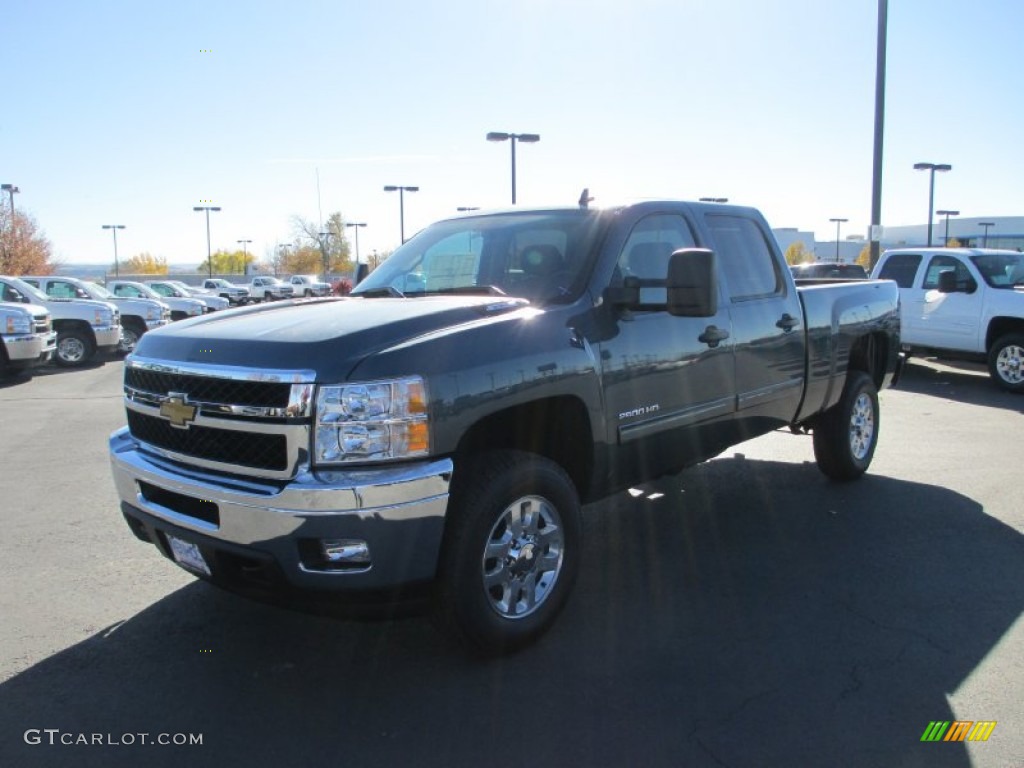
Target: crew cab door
(668,381)
(767,320)
(946,320)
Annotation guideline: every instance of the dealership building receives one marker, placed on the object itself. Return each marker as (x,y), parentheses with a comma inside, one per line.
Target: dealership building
(968,231)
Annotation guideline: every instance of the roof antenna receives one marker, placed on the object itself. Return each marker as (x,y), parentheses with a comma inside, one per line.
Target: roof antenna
(585,197)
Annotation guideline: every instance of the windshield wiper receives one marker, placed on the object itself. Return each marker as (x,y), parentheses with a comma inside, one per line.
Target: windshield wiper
(376,293)
(482,290)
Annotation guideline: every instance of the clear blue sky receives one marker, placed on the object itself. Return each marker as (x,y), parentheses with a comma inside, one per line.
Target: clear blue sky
(112,112)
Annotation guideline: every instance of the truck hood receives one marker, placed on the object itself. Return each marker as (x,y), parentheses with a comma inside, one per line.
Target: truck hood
(327,336)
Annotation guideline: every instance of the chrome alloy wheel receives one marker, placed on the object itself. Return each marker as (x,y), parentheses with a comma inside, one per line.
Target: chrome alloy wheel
(129,338)
(71,350)
(523,557)
(862,426)
(1008,364)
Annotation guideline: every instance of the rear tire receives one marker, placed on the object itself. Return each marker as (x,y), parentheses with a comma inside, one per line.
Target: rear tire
(74,348)
(846,434)
(1006,362)
(511,551)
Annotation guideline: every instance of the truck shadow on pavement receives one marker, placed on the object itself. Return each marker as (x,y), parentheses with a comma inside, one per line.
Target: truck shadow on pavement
(750,614)
(960,382)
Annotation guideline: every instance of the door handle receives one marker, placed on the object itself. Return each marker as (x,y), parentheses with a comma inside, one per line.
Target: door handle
(712,335)
(787,322)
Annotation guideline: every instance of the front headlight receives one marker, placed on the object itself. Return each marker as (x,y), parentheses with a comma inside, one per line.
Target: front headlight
(196,310)
(373,421)
(103,317)
(19,324)
(152,313)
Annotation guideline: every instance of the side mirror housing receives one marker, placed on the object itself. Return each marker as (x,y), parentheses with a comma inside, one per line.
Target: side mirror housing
(692,283)
(947,281)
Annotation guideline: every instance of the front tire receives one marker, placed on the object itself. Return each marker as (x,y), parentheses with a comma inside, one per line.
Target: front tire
(1006,362)
(130,334)
(74,348)
(847,433)
(511,551)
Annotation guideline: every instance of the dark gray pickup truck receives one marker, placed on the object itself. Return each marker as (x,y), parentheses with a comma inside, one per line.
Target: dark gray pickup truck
(442,426)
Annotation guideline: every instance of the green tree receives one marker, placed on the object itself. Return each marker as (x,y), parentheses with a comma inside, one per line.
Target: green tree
(797,253)
(228,262)
(24,249)
(144,263)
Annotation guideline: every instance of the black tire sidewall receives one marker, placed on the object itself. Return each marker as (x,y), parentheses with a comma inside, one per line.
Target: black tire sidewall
(90,348)
(832,434)
(488,485)
(1016,339)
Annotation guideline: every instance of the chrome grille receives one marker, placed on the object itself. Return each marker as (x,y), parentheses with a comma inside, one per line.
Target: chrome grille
(239,420)
(42,323)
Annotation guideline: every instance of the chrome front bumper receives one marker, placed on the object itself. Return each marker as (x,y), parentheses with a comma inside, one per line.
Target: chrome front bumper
(107,336)
(398,511)
(28,348)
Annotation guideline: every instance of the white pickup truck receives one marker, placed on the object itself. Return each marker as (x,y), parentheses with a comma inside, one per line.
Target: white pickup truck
(962,303)
(269,288)
(308,285)
(84,327)
(27,338)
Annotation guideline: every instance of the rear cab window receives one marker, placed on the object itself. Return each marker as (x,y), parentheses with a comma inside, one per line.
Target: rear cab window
(901,268)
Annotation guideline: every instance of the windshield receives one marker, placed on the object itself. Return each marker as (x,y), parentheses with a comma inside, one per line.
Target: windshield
(540,256)
(99,291)
(1001,270)
(27,290)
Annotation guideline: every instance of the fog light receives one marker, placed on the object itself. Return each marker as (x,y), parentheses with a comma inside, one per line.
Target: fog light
(345,551)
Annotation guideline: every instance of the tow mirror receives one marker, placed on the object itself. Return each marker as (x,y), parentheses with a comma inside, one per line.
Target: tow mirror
(692,284)
(947,281)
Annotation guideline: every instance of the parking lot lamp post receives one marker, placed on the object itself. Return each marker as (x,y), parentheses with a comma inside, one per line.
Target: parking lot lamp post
(986,225)
(113,228)
(209,255)
(324,242)
(356,225)
(947,214)
(245,253)
(839,223)
(401,204)
(467,208)
(529,138)
(931,168)
(713,199)
(10,189)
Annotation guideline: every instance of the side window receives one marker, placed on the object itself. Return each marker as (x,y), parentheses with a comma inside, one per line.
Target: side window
(940,264)
(126,290)
(61,290)
(646,252)
(901,267)
(745,258)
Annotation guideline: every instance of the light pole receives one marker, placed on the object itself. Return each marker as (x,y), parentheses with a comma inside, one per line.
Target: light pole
(401,204)
(113,228)
(947,214)
(931,168)
(986,225)
(209,257)
(839,223)
(10,189)
(245,253)
(466,208)
(714,199)
(357,225)
(529,138)
(324,236)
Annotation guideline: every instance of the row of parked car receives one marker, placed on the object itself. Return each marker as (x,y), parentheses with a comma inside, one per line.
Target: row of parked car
(71,321)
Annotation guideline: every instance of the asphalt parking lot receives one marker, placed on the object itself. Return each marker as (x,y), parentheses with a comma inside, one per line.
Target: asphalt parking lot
(743,613)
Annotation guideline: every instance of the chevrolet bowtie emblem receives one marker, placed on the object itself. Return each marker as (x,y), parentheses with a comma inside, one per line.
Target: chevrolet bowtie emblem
(177,411)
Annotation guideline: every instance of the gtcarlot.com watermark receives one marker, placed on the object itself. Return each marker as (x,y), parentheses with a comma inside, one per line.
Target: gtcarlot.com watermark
(55,737)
